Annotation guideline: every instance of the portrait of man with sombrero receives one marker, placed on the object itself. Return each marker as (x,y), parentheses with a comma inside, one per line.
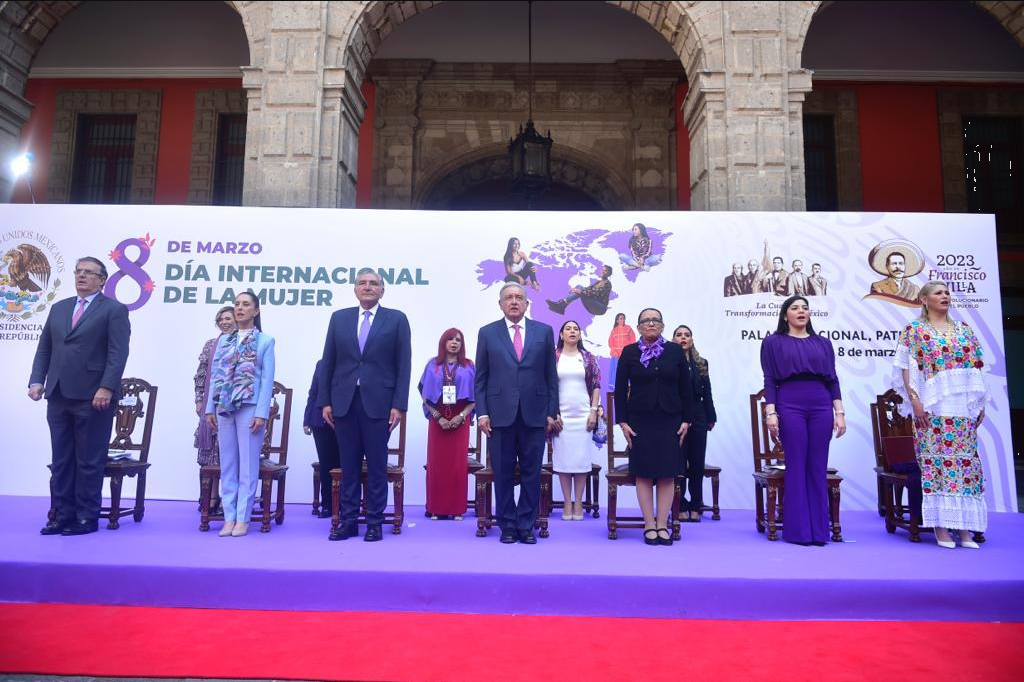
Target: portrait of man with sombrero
(898,260)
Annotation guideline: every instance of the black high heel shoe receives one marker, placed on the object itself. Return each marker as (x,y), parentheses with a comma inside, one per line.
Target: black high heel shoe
(667,540)
(648,540)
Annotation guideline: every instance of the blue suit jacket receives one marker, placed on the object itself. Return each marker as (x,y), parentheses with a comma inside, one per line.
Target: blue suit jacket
(506,385)
(263,391)
(382,369)
(83,359)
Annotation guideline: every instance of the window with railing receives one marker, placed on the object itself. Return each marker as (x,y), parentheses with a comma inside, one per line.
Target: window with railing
(820,162)
(229,166)
(104,156)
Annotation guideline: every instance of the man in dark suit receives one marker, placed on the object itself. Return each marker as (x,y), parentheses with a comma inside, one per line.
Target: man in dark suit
(364,392)
(78,366)
(517,400)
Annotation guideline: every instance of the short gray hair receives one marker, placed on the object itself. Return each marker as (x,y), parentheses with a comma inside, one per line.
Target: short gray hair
(517,285)
(370,271)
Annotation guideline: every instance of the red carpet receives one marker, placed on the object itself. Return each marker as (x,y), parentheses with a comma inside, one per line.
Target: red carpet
(60,639)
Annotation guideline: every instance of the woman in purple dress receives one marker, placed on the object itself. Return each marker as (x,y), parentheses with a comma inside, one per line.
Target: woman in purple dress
(206,438)
(803,409)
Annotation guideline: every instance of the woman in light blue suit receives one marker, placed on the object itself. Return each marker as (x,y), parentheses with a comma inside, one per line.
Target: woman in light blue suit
(238,408)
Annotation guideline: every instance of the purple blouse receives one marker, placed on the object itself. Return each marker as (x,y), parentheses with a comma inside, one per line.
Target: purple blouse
(785,357)
(433,380)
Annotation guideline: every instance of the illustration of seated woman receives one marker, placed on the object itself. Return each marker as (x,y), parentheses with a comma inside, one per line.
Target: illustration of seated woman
(640,256)
(518,267)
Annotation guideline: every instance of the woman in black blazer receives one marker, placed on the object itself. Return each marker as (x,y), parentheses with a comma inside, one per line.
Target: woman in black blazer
(704,418)
(653,400)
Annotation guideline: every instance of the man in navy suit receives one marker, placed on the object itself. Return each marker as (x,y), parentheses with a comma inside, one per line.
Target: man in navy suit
(78,366)
(517,400)
(364,392)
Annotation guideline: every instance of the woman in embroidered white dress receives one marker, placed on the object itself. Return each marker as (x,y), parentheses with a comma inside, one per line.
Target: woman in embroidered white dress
(939,365)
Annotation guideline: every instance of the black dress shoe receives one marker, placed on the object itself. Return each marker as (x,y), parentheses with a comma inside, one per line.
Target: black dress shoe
(667,540)
(373,533)
(816,543)
(324,514)
(650,536)
(508,536)
(527,537)
(81,527)
(344,532)
(54,527)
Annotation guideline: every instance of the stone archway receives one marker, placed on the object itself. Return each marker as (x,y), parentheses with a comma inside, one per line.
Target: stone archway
(568,169)
(25,27)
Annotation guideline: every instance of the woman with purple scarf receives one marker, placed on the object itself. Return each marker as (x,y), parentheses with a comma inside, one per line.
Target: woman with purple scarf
(238,408)
(654,407)
(447,388)
(206,438)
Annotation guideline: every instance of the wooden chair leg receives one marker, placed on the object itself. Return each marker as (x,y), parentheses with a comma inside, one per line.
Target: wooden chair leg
(482,514)
(265,498)
(773,534)
(837,530)
(205,489)
(759,518)
(335,505)
(546,496)
(279,509)
(140,498)
(677,499)
(399,489)
(889,498)
(316,491)
(882,498)
(595,477)
(113,523)
(613,508)
(716,511)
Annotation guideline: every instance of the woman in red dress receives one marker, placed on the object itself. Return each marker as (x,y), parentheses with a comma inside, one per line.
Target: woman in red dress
(447,390)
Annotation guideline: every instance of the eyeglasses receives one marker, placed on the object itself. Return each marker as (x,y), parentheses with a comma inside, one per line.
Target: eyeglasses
(651,320)
(83,271)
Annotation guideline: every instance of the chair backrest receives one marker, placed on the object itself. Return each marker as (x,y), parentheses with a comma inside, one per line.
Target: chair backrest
(893,433)
(282,414)
(616,457)
(476,443)
(396,454)
(766,447)
(138,399)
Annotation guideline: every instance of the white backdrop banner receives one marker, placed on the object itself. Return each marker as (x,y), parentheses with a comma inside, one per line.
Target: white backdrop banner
(174,266)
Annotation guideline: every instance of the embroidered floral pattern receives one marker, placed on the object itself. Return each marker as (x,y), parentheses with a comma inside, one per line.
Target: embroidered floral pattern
(947,451)
(934,352)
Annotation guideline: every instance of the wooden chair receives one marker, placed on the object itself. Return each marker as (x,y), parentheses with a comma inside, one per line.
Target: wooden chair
(769,477)
(271,469)
(484,505)
(618,475)
(893,437)
(591,492)
(396,477)
(138,400)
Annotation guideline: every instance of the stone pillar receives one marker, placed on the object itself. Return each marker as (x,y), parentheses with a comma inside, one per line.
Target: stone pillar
(745,118)
(305,109)
(653,148)
(397,121)
(14,112)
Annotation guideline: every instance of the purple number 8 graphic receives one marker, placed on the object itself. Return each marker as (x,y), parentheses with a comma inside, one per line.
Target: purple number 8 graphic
(132,269)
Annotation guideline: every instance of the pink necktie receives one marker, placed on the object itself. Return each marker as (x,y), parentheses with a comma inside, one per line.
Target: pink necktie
(517,342)
(78,313)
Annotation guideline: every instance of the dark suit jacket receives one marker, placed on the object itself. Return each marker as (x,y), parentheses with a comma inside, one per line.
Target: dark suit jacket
(664,383)
(382,369)
(91,355)
(704,405)
(506,385)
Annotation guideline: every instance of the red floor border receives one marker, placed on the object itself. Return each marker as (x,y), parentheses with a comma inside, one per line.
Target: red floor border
(130,641)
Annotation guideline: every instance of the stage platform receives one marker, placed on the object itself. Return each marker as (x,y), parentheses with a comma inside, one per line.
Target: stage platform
(721,569)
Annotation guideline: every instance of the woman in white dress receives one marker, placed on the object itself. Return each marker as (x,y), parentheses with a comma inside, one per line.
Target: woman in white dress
(579,396)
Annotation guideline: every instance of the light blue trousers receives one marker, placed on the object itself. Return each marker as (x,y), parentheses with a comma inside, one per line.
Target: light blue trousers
(239,463)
